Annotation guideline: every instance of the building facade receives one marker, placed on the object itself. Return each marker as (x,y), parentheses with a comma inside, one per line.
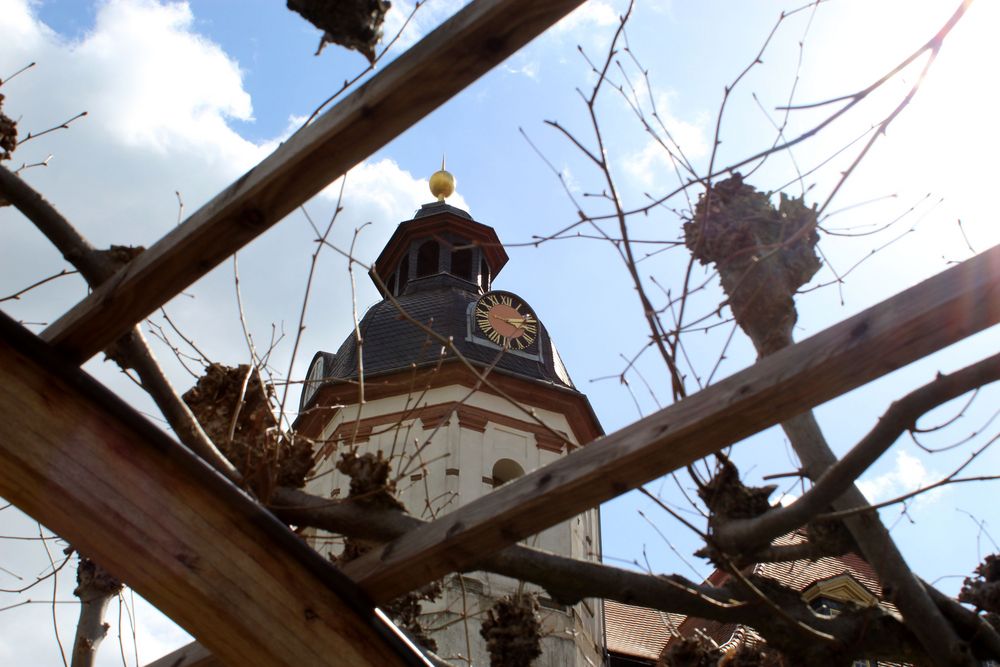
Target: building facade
(638,636)
(461,388)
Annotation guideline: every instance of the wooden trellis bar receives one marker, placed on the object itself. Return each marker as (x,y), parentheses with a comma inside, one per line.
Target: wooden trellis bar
(79,460)
(940,311)
(465,47)
(921,320)
(191,655)
(83,463)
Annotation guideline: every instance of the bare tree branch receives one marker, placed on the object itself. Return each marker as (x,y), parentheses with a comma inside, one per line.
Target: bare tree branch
(95,268)
(95,587)
(741,535)
(569,580)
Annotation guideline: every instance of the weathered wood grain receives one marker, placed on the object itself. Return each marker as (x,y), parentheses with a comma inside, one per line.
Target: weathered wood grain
(464,48)
(189,655)
(80,461)
(923,319)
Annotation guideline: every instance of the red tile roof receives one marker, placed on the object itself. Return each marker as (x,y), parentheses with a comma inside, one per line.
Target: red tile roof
(800,574)
(641,632)
(638,631)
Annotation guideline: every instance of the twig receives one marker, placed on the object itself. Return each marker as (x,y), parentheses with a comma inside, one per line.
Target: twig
(62,126)
(738,535)
(569,580)
(180,207)
(23,69)
(371,66)
(95,268)
(320,242)
(41,163)
(16,296)
(190,342)
(55,590)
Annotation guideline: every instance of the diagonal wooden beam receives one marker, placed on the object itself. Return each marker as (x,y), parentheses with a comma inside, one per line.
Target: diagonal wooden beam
(189,655)
(976,305)
(77,459)
(923,319)
(465,47)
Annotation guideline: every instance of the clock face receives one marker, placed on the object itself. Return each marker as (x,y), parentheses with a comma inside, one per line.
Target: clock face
(506,320)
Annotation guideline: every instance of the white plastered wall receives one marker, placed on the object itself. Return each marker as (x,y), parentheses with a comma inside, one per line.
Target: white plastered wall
(438,469)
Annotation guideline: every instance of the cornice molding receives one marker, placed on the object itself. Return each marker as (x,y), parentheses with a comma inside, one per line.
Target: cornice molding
(843,588)
(574,406)
(438,415)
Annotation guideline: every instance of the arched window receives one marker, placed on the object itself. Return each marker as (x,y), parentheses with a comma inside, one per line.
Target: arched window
(404,274)
(505,470)
(391,284)
(461,261)
(427,258)
(484,275)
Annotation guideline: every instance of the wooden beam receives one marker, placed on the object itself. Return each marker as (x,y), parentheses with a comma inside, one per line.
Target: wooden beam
(77,459)
(465,47)
(923,319)
(189,655)
(974,305)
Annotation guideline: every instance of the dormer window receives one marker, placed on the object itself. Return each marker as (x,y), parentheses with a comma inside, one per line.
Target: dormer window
(443,242)
(484,275)
(825,606)
(461,261)
(828,597)
(428,256)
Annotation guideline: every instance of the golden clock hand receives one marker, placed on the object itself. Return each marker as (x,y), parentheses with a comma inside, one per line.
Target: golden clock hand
(513,321)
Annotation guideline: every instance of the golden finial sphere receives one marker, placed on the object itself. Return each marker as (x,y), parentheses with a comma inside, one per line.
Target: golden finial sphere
(442,184)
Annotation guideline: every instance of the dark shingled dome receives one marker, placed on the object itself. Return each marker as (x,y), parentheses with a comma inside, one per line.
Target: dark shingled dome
(393,343)
(439,289)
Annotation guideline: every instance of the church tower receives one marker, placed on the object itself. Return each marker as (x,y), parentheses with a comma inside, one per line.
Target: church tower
(461,388)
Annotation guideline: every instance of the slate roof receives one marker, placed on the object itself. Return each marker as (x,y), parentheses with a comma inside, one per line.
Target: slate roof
(436,207)
(391,342)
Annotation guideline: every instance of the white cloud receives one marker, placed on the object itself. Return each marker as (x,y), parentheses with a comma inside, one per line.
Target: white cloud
(145,77)
(652,164)
(907,474)
(572,183)
(528,68)
(588,16)
(427,17)
(591,14)
(389,190)
(160,98)
(170,85)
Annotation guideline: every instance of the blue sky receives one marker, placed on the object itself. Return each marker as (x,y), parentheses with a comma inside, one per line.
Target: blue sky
(185,97)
